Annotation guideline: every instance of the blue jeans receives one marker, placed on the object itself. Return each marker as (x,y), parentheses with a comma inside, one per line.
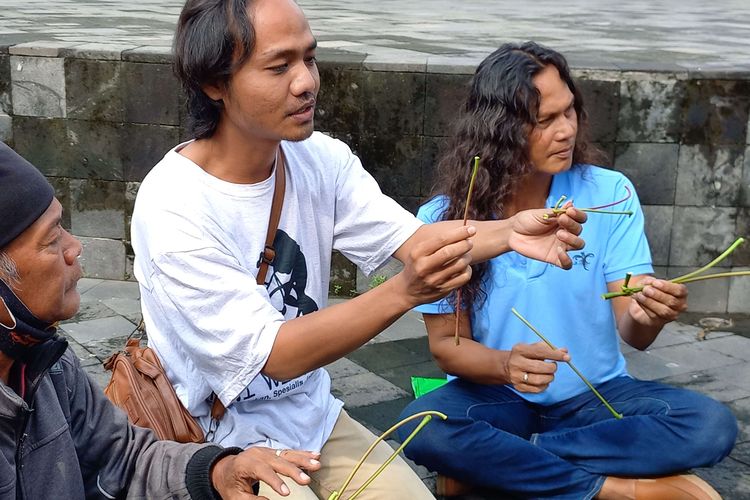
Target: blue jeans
(496,439)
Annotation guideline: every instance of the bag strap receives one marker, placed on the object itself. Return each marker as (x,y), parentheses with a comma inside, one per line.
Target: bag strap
(268,253)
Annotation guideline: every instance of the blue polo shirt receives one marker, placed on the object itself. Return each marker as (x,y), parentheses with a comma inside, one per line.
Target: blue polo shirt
(566,306)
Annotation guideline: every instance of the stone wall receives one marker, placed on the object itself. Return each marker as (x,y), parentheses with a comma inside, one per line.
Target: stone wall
(96,120)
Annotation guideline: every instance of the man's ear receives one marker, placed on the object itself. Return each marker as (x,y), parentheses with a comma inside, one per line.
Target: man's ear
(6,317)
(215,92)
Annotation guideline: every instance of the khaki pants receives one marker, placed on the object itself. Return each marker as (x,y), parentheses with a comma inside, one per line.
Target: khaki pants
(348,442)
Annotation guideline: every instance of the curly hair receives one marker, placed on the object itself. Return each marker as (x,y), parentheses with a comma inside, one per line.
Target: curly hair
(494,124)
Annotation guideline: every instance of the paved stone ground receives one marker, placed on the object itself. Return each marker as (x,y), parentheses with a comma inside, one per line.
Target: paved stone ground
(669,34)
(374,381)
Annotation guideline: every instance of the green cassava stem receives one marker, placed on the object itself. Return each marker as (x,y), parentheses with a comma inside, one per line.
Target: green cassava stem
(426,417)
(466,217)
(570,364)
(557,209)
(689,277)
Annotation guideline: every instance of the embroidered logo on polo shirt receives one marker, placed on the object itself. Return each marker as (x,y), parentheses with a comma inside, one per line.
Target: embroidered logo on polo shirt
(583,259)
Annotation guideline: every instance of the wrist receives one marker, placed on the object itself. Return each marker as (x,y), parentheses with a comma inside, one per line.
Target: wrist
(201,474)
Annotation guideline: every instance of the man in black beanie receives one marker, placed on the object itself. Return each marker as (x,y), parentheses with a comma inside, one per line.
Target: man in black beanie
(59,435)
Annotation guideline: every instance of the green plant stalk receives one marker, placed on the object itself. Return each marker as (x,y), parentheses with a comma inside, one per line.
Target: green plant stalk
(427,416)
(570,364)
(632,291)
(558,211)
(466,217)
(689,277)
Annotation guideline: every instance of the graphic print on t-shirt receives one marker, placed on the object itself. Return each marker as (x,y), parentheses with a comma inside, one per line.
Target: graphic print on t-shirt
(286,282)
(288,278)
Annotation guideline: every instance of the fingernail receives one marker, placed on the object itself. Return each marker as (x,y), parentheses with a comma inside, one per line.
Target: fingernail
(472,230)
(284,489)
(314,462)
(304,476)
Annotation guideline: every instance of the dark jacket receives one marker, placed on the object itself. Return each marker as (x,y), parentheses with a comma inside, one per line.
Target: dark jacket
(64,439)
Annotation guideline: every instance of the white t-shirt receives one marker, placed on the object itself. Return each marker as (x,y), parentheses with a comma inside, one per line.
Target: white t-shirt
(197,240)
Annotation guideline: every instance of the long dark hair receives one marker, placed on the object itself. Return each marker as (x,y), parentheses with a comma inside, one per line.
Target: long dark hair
(213,38)
(494,124)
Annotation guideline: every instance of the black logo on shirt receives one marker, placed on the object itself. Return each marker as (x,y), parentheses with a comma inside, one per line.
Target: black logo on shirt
(289,277)
(583,259)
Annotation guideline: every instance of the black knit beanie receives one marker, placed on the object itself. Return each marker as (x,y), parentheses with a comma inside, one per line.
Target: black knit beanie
(25,194)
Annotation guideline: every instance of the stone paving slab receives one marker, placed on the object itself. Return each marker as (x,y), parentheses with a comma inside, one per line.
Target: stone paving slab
(436,35)
(374,381)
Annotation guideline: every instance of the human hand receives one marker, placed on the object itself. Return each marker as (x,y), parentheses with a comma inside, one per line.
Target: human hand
(548,240)
(233,476)
(528,367)
(436,266)
(658,303)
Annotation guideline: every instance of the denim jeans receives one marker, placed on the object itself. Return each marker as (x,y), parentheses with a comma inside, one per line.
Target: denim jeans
(496,439)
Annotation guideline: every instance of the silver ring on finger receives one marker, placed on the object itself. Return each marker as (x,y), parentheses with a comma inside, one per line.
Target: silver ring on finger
(525,377)
(281,452)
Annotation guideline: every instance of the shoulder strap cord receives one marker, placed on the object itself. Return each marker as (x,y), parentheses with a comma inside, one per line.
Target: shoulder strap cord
(268,253)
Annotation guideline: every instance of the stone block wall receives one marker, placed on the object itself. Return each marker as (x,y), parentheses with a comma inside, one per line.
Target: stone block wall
(96,120)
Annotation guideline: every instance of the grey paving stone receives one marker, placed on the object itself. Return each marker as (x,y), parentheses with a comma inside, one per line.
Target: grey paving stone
(685,358)
(444,99)
(6,128)
(741,256)
(741,410)
(673,335)
(38,86)
(711,383)
(739,293)
(145,84)
(652,168)
(745,184)
(5,84)
(86,284)
(657,218)
(98,330)
(96,150)
(380,416)
(716,112)
(602,101)
(93,90)
(342,368)
(700,234)
(143,146)
(103,258)
(45,143)
(650,110)
(730,478)
(98,50)
(365,389)
(92,309)
(40,48)
(98,208)
(734,346)
(393,103)
(111,289)
(85,357)
(709,175)
(408,326)
(128,308)
(705,296)
(389,355)
(393,161)
(432,149)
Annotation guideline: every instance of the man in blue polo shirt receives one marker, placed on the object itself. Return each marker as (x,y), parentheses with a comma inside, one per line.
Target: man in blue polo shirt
(518,419)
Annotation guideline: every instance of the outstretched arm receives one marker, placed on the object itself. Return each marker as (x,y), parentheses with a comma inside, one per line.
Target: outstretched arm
(642,316)
(527,233)
(433,266)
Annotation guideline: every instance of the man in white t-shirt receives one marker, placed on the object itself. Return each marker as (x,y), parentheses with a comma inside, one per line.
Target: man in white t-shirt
(200,221)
